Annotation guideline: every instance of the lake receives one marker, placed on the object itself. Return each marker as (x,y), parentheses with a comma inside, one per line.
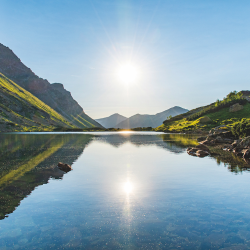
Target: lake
(126,191)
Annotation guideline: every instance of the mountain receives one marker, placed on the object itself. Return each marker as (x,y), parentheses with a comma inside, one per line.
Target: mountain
(54,95)
(231,112)
(111,121)
(150,120)
(20,110)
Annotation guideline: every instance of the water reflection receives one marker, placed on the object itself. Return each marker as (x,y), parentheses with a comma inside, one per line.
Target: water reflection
(125,192)
(28,161)
(26,157)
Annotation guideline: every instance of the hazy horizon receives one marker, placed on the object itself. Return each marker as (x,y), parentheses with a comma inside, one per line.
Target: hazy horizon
(186,54)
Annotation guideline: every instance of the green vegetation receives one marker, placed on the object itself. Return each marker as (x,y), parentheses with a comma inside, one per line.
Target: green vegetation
(22,111)
(242,128)
(143,129)
(218,112)
(232,98)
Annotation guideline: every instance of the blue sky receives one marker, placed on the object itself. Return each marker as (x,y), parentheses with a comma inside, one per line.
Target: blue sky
(189,53)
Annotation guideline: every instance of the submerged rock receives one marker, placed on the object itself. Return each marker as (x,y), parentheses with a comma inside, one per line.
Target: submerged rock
(64,167)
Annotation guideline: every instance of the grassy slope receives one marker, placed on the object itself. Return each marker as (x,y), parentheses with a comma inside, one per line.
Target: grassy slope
(221,117)
(84,121)
(12,95)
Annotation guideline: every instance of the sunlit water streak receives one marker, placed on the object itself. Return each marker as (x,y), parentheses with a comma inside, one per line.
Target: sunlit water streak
(126,191)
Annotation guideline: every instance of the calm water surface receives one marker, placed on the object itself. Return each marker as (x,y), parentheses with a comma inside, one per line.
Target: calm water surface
(126,191)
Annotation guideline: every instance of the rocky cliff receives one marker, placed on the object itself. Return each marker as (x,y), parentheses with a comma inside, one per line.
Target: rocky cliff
(53,95)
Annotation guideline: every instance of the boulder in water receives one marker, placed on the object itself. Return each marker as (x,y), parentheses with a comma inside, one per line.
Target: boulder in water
(64,167)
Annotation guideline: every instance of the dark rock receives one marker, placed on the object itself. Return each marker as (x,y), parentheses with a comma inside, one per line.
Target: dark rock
(225,135)
(64,167)
(239,154)
(201,153)
(203,138)
(219,139)
(214,154)
(203,147)
(192,151)
(218,130)
(246,153)
(238,149)
(245,142)
(208,143)
(235,143)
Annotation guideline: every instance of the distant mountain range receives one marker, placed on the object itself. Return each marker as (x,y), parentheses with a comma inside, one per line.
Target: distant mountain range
(14,74)
(111,121)
(135,121)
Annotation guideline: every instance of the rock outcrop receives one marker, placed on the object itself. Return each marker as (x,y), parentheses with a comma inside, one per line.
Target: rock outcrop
(53,95)
(205,119)
(236,107)
(226,141)
(200,150)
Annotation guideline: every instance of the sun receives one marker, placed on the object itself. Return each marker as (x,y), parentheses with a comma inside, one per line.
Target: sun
(128,187)
(127,73)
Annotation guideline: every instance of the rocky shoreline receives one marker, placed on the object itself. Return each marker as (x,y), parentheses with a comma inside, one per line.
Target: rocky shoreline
(220,140)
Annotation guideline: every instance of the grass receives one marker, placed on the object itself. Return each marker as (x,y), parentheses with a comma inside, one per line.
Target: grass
(16,95)
(221,117)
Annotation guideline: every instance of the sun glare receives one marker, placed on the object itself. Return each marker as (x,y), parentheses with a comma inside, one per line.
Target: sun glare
(127,73)
(128,187)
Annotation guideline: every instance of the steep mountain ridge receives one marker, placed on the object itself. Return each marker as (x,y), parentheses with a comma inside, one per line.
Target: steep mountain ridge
(53,95)
(111,121)
(153,121)
(20,110)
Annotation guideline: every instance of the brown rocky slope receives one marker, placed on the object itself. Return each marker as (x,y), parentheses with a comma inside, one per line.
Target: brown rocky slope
(53,95)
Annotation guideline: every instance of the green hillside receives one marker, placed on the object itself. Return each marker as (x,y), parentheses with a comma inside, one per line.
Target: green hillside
(22,111)
(218,112)
(53,95)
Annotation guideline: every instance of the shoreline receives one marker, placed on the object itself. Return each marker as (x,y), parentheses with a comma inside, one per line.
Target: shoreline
(222,143)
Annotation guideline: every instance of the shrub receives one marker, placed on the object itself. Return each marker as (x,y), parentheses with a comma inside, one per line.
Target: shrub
(242,128)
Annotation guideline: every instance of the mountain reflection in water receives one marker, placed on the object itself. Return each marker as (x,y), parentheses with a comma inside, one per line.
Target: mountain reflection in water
(30,160)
